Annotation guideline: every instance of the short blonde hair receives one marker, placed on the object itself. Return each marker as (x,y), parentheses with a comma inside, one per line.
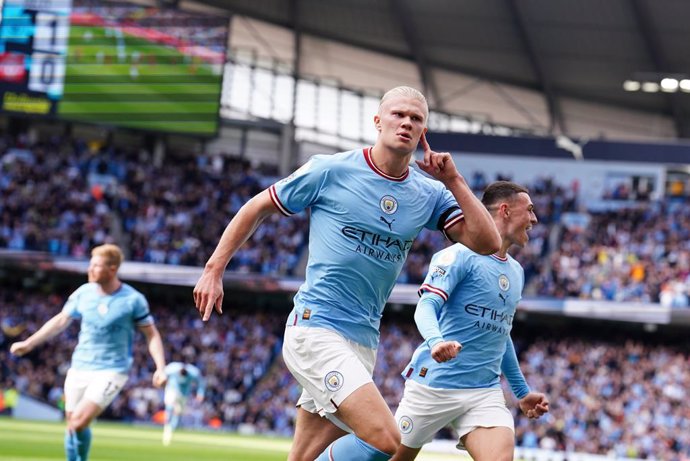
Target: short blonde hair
(406,92)
(111,253)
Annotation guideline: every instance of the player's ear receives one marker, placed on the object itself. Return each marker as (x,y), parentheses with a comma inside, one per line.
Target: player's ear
(377,122)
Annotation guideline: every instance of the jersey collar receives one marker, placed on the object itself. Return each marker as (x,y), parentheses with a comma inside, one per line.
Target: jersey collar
(378,171)
(499,258)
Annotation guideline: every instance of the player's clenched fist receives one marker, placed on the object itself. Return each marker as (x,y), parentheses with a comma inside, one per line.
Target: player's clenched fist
(445,350)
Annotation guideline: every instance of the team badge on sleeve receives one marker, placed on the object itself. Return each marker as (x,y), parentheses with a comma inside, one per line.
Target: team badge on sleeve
(334,380)
(298,172)
(445,258)
(405,424)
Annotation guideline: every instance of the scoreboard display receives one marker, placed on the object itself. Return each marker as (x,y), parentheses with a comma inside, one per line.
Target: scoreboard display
(113,63)
(33,48)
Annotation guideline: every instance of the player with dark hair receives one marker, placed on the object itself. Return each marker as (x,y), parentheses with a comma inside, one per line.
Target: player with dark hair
(465,315)
(182,379)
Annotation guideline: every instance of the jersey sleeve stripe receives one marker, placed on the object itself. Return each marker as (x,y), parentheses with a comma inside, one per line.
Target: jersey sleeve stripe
(453,222)
(431,289)
(139,319)
(276,201)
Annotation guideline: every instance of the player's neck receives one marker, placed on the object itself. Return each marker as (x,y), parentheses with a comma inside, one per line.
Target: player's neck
(503,251)
(111,286)
(390,162)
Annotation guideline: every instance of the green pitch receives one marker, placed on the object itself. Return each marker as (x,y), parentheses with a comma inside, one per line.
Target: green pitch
(119,80)
(38,441)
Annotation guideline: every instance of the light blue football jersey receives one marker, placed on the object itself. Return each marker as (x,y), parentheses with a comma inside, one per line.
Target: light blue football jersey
(479,297)
(184,383)
(362,225)
(108,324)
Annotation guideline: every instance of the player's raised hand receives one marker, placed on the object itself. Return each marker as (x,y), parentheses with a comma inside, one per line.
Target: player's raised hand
(208,293)
(445,350)
(20,348)
(534,405)
(440,165)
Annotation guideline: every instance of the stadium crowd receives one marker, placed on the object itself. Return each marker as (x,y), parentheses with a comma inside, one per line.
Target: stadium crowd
(610,395)
(65,196)
(640,254)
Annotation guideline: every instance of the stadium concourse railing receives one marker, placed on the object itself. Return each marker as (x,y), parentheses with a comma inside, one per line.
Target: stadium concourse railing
(403,294)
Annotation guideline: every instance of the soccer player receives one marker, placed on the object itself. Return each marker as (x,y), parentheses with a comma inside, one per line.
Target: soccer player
(465,315)
(367,206)
(182,377)
(109,311)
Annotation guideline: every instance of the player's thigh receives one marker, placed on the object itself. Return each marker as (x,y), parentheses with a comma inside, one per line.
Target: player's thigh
(104,387)
(313,434)
(423,411)
(490,443)
(487,411)
(336,374)
(328,366)
(76,383)
(368,415)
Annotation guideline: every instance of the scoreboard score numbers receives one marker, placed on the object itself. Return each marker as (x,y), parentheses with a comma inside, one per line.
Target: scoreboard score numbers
(33,47)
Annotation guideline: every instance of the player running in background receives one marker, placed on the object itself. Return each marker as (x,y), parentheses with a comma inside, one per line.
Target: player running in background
(367,207)
(182,379)
(465,315)
(109,311)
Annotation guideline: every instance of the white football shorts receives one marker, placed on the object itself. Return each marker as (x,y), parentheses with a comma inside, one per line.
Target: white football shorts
(174,398)
(424,411)
(100,387)
(329,367)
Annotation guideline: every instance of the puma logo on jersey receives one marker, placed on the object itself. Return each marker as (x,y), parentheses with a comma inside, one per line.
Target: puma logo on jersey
(390,223)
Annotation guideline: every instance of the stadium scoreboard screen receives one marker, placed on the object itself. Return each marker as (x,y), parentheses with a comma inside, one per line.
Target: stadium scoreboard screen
(113,63)
(33,47)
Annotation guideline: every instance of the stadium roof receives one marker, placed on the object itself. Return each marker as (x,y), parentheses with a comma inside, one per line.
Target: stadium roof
(584,49)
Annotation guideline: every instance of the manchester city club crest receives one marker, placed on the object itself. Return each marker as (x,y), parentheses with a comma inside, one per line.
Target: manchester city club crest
(388,204)
(102,309)
(334,380)
(503,282)
(405,424)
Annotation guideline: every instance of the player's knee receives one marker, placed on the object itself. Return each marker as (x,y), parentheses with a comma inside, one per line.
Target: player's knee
(384,439)
(78,422)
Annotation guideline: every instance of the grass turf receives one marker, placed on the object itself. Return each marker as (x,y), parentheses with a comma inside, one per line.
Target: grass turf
(171,92)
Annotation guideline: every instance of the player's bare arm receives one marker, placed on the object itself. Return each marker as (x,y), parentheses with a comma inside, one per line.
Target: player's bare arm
(155,343)
(445,351)
(50,329)
(478,230)
(208,292)
(534,405)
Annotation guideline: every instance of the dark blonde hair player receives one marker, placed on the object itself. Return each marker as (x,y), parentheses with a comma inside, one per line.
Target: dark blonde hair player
(465,315)
(367,206)
(109,311)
